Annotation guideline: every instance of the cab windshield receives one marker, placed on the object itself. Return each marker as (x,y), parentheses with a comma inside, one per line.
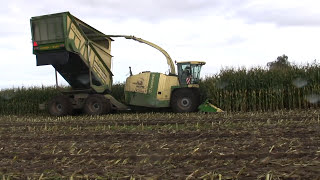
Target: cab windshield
(189,73)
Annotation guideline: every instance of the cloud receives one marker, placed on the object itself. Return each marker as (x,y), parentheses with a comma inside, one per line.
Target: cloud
(281,13)
(222,33)
(147,10)
(150,10)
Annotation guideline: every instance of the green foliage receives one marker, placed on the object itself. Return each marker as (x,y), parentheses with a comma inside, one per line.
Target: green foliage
(260,89)
(281,63)
(118,91)
(25,100)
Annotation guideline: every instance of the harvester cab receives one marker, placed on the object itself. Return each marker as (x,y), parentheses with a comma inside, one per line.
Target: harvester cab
(189,72)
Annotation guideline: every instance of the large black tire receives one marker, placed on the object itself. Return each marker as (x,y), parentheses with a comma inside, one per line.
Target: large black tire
(185,100)
(60,106)
(97,105)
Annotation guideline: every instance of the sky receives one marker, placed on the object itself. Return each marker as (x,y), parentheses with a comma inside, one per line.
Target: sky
(224,33)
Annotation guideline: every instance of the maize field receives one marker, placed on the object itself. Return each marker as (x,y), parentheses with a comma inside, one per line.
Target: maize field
(25,101)
(233,90)
(260,89)
(260,145)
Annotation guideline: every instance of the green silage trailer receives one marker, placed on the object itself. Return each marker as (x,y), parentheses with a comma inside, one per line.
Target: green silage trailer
(81,55)
(78,52)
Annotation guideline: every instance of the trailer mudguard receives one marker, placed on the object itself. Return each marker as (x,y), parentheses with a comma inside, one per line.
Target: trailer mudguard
(52,58)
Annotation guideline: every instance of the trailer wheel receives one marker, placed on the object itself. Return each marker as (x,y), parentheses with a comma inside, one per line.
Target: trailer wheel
(184,100)
(97,105)
(60,106)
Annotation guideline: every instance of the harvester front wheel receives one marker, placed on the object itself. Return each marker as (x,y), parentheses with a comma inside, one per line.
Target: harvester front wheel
(97,105)
(60,106)
(184,100)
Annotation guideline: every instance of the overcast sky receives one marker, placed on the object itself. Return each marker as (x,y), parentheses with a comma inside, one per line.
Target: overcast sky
(224,33)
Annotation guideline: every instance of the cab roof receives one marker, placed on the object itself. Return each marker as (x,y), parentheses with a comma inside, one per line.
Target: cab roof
(192,62)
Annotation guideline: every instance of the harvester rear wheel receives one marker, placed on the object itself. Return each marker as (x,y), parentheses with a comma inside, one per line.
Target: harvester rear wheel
(185,100)
(60,106)
(97,105)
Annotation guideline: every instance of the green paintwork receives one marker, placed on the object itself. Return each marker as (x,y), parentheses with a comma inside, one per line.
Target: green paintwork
(175,87)
(150,98)
(60,22)
(56,32)
(208,107)
(48,47)
(145,100)
(153,84)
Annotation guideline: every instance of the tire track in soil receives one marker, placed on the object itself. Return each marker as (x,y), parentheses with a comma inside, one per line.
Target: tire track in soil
(134,122)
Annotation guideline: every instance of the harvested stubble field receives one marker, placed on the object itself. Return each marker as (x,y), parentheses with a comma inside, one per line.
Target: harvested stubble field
(270,145)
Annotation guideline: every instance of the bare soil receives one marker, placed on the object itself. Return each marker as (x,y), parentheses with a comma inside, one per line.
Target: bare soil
(285,145)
